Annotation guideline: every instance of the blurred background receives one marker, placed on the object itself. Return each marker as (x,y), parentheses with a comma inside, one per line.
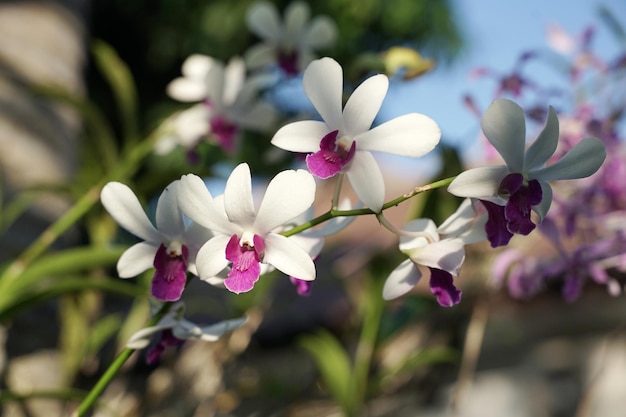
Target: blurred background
(539,331)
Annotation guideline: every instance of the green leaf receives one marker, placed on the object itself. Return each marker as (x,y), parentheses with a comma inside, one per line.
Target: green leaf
(121,82)
(333,364)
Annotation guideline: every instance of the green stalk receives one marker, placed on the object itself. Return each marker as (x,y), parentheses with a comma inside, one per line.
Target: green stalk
(332,213)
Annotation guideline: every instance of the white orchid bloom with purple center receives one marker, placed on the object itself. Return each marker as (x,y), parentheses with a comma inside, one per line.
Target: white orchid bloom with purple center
(443,257)
(343,141)
(510,192)
(175,330)
(229,102)
(288,43)
(170,247)
(245,237)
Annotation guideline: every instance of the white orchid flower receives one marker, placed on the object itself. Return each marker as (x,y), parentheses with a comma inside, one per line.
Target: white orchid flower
(443,256)
(343,142)
(175,329)
(511,191)
(247,238)
(289,44)
(170,248)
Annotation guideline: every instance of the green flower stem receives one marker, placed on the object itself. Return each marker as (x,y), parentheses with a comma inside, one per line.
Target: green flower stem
(332,213)
(113,369)
(124,169)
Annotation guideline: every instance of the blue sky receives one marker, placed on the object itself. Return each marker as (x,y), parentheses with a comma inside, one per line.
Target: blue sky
(497,32)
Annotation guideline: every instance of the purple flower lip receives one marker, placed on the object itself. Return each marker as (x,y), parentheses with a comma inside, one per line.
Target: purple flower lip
(170,276)
(331,158)
(246,267)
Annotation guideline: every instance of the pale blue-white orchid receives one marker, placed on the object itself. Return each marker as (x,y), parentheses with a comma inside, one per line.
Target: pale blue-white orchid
(247,238)
(441,249)
(175,330)
(510,192)
(288,43)
(343,142)
(170,248)
(228,103)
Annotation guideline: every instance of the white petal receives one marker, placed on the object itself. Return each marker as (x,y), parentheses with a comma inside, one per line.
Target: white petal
(214,83)
(321,33)
(122,204)
(367,180)
(288,257)
(211,259)
(480,182)
(476,233)
(426,226)
(186,89)
(234,77)
(401,280)
(259,116)
(323,84)
(304,136)
(192,124)
(263,20)
(581,161)
(505,127)
(297,15)
(260,55)
(412,135)
(311,244)
(190,331)
(169,218)
(544,146)
(141,338)
(289,194)
(546,201)
(197,203)
(459,220)
(447,255)
(196,66)
(364,104)
(238,201)
(136,259)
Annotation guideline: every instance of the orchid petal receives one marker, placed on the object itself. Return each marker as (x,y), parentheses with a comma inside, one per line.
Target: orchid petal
(196,202)
(296,16)
(323,84)
(364,103)
(234,77)
(505,127)
(260,55)
(447,255)
(288,257)
(367,180)
(425,226)
(545,145)
(196,66)
(214,82)
(412,135)
(581,161)
(186,90)
(480,182)
(263,20)
(211,333)
(192,124)
(546,201)
(238,197)
(459,220)
(211,259)
(136,259)
(169,218)
(122,204)
(401,280)
(304,136)
(141,338)
(289,194)
(321,33)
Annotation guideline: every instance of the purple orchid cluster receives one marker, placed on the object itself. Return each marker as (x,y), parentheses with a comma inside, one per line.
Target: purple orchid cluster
(583,236)
(231,240)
